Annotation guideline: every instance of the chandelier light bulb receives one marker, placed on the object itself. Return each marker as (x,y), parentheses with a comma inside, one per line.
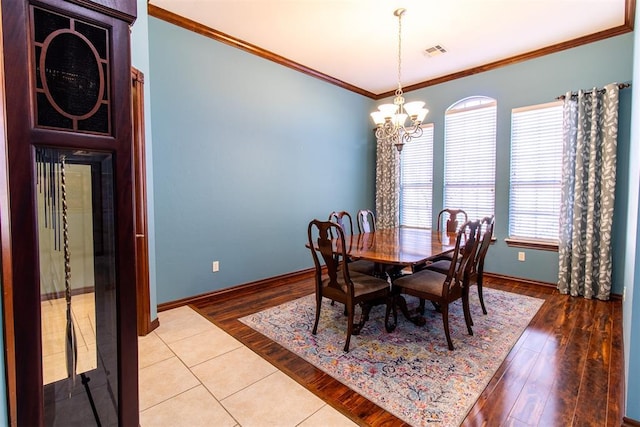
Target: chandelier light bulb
(378,117)
(413,108)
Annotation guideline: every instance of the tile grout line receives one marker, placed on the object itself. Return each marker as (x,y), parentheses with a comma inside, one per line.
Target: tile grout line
(200,383)
(220,401)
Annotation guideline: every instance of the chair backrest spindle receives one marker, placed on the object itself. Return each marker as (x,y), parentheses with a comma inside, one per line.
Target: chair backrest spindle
(333,252)
(487,223)
(366,221)
(453,218)
(465,252)
(343,219)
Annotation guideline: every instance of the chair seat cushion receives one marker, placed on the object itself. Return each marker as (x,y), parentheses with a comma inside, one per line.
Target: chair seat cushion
(424,281)
(441,266)
(362,266)
(362,283)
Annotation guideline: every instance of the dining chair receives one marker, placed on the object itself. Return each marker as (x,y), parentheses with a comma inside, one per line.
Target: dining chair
(476,274)
(449,219)
(443,289)
(343,219)
(339,283)
(366,221)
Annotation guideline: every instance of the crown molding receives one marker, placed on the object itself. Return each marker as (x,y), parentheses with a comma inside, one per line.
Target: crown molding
(165,15)
(196,27)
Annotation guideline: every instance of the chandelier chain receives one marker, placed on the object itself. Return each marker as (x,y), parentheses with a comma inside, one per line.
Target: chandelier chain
(399,91)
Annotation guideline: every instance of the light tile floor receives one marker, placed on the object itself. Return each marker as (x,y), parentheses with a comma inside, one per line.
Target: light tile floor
(54,325)
(192,373)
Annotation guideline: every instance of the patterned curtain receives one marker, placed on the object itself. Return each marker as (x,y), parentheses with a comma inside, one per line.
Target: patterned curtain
(588,185)
(387,185)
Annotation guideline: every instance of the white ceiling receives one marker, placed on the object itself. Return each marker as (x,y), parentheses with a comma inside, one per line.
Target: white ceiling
(356,41)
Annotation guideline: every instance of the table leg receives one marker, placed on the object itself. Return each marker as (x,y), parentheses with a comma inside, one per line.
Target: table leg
(379,271)
(436,306)
(390,327)
(399,301)
(365,309)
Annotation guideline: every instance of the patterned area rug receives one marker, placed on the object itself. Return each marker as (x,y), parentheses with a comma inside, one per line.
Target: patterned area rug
(409,372)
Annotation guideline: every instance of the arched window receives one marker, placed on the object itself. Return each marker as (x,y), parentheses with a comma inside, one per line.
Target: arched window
(470,156)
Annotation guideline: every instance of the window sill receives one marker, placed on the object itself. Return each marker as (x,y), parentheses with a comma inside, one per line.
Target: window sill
(544,245)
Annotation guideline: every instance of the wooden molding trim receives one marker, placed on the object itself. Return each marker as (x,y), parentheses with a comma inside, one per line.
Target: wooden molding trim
(505,277)
(124,10)
(60,294)
(591,38)
(196,27)
(143,304)
(532,244)
(165,15)
(628,422)
(246,287)
(6,261)
(303,274)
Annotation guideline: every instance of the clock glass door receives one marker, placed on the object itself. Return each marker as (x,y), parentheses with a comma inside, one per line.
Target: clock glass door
(76,244)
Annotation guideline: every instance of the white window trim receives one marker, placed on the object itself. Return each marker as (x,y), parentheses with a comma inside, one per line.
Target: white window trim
(527,241)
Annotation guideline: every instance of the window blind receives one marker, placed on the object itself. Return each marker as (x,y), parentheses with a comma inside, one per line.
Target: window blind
(416,180)
(536,171)
(470,157)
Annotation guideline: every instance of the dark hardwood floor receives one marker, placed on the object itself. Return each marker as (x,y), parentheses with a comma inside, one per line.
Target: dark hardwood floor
(566,368)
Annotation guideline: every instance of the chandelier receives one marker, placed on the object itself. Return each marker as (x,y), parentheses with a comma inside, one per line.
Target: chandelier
(390,119)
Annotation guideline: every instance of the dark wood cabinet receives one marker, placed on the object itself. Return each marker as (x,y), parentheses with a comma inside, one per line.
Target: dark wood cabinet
(123,9)
(67,212)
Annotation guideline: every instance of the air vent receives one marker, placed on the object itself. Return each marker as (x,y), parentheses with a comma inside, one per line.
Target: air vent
(435,51)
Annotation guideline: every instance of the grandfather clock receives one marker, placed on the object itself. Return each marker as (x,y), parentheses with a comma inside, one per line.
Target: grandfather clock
(67,213)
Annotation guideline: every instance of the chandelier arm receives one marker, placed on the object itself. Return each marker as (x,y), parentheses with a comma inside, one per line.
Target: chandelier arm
(415,132)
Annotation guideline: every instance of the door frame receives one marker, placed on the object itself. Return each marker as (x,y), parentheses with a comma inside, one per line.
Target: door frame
(144,322)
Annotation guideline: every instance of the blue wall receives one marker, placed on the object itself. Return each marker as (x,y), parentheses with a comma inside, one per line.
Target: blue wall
(246,152)
(243,149)
(535,82)
(140,60)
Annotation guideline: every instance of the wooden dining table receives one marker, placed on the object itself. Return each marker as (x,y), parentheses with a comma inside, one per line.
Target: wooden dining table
(400,248)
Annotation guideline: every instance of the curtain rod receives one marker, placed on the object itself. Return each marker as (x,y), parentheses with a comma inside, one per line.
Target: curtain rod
(620,86)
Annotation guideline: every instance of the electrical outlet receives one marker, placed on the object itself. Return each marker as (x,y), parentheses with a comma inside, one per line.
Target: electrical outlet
(216,266)
(521,256)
